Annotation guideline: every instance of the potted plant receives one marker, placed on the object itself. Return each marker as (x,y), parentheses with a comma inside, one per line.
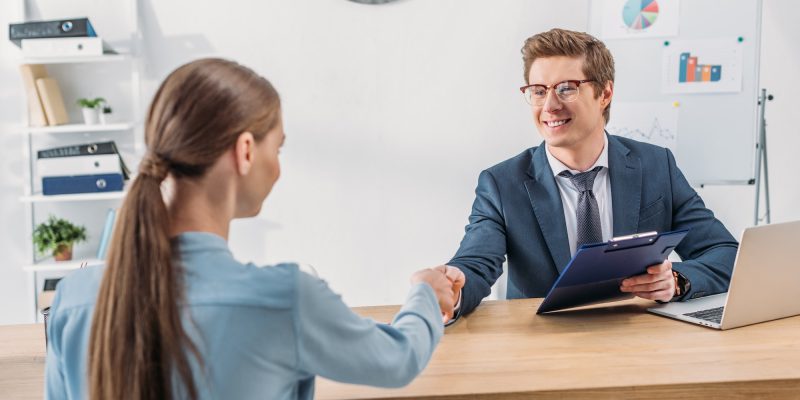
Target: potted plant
(92,108)
(104,113)
(57,236)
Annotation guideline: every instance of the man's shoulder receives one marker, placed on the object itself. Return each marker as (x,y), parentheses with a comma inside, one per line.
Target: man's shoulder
(520,164)
(640,148)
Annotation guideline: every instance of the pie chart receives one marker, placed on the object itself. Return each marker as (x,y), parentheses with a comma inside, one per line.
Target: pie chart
(640,14)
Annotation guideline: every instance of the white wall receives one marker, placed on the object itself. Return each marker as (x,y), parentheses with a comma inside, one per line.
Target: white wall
(391,112)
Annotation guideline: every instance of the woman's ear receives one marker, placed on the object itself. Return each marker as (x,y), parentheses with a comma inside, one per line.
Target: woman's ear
(244,152)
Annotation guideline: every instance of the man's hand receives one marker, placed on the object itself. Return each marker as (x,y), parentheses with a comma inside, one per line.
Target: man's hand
(657,284)
(456,276)
(442,287)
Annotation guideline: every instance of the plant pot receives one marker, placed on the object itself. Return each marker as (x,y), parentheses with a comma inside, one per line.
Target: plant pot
(91,116)
(63,252)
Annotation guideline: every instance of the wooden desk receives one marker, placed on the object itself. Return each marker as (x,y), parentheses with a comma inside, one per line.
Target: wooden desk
(22,352)
(504,351)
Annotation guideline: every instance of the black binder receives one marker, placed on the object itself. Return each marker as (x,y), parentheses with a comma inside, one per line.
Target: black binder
(87,149)
(75,27)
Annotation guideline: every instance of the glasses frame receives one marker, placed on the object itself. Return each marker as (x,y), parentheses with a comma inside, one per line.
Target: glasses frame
(577,82)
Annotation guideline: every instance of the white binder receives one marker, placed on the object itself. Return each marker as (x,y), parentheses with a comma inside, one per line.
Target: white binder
(64,47)
(78,165)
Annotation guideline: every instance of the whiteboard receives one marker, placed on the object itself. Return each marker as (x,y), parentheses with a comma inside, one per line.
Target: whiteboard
(710,122)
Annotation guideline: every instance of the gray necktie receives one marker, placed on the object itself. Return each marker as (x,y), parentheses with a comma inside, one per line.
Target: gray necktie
(587,212)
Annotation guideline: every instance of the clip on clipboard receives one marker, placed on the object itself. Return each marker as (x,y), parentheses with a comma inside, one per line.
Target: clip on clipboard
(596,272)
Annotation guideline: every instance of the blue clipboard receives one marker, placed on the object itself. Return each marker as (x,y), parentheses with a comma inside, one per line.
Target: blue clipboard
(595,273)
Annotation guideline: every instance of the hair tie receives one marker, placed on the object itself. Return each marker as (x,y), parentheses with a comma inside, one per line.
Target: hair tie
(154,167)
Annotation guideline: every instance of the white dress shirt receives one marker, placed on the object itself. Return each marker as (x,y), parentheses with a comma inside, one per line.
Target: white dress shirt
(569,195)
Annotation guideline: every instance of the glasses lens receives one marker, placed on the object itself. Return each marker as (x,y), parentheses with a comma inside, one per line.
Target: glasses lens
(536,94)
(567,91)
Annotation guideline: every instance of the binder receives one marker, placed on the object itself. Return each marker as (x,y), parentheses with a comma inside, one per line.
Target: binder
(105,237)
(74,27)
(596,272)
(109,147)
(81,184)
(30,73)
(80,165)
(65,47)
(97,148)
(52,101)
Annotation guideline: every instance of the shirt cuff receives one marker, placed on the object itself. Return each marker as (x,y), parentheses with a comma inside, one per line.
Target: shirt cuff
(456,308)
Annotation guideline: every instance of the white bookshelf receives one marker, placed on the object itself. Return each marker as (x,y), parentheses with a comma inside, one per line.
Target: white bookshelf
(40,198)
(78,128)
(77,59)
(49,265)
(76,74)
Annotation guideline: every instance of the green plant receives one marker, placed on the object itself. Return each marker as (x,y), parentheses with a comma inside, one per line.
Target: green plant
(49,236)
(96,102)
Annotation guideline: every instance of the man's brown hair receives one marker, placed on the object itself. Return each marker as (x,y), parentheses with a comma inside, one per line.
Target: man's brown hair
(598,64)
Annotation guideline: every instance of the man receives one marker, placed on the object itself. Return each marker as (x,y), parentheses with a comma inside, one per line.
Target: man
(583,186)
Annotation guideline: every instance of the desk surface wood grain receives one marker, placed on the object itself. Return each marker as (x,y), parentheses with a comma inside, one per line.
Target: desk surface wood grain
(22,352)
(504,351)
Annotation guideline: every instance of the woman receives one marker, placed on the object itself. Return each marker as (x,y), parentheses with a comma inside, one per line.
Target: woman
(174,315)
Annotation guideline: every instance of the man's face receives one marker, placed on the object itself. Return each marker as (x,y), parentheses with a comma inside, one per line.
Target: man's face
(566,124)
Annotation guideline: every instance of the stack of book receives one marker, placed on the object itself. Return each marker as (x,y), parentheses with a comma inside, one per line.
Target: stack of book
(73,37)
(45,103)
(84,168)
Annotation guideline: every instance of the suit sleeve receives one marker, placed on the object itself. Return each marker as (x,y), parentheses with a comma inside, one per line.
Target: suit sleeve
(708,250)
(338,344)
(483,248)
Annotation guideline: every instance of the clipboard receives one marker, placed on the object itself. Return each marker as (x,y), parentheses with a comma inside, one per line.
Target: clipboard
(595,273)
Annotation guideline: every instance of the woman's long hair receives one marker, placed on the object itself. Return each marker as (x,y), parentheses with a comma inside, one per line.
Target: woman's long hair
(137,340)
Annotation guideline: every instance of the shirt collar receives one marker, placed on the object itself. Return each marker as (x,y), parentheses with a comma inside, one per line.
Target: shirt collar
(189,242)
(558,167)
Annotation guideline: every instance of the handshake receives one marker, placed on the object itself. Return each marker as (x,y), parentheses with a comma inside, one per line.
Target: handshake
(446,282)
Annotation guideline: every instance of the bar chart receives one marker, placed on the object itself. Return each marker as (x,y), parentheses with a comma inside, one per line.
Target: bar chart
(691,71)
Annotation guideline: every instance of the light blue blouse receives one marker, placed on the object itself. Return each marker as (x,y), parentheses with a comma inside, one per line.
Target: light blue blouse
(263,332)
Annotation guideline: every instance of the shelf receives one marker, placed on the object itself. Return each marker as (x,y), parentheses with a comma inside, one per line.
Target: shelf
(40,198)
(78,59)
(79,128)
(52,265)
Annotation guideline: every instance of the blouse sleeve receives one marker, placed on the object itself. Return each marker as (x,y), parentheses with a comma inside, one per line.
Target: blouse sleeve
(338,344)
(55,387)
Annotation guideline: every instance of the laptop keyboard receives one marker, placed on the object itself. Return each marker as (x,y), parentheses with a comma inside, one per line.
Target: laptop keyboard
(712,314)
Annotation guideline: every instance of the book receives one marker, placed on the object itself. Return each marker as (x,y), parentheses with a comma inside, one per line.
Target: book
(52,102)
(73,27)
(30,73)
(81,184)
(109,147)
(105,236)
(94,164)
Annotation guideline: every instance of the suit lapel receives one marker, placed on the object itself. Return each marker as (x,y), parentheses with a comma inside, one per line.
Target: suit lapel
(626,187)
(546,201)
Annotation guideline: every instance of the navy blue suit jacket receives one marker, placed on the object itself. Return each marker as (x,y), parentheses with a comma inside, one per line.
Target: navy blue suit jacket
(518,213)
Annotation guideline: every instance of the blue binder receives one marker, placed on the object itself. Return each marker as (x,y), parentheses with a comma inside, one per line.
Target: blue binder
(82,184)
(596,272)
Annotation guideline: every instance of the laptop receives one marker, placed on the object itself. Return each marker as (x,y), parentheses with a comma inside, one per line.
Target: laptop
(765,273)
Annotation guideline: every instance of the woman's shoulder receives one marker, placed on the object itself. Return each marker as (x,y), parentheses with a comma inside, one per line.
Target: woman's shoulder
(79,288)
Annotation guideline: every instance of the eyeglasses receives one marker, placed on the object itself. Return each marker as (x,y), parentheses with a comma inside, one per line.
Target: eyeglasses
(567,91)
